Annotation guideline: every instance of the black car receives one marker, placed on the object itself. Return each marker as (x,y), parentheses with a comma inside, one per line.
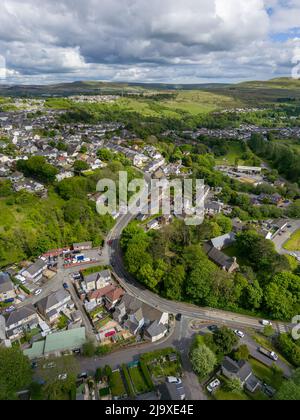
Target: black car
(178,317)
(213,328)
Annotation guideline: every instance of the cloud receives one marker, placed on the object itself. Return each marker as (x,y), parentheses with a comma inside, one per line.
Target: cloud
(138,40)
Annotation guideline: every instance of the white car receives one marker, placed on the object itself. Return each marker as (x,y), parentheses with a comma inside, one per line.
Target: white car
(38,292)
(213,386)
(49,366)
(173,380)
(239,333)
(63,377)
(266,323)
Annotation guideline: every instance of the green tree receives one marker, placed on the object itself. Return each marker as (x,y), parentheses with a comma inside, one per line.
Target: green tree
(242,353)
(15,373)
(80,166)
(225,339)
(203,360)
(234,385)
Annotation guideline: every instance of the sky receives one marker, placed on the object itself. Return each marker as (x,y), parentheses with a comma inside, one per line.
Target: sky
(169,41)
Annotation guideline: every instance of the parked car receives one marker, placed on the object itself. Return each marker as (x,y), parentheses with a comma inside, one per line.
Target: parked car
(173,380)
(63,377)
(178,317)
(51,365)
(213,328)
(38,292)
(83,375)
(65,286)
(213,386)
(239,333)
(266,323)
(10,309)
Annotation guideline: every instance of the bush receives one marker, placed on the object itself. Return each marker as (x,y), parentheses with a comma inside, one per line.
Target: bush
(289,349)
(129,386)
(147,375)
(89,349)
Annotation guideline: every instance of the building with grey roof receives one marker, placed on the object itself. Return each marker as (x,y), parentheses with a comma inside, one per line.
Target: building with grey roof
(52,305)
(20,321)
(7,290)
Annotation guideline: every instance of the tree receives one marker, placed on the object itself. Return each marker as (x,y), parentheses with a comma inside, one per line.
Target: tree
(225,339)
(173,283)
(282,296)
(89,349)
(15,373)
(290,390)
(80,166)
(234,385)
(203,360)
(242,353)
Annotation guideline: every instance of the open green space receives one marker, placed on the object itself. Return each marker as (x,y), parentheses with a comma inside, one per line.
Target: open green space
(293,244)
(138,380)
(117,385)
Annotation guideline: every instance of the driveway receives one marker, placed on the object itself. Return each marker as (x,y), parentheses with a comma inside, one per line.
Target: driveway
(280,240)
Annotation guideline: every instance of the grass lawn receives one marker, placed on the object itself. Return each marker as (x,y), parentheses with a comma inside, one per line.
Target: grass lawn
(266,374)
(138,381)
(117,385)
(293,244)
(222,395)
(235,152)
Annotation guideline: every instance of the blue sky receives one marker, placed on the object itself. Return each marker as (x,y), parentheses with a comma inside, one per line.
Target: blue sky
(179,41)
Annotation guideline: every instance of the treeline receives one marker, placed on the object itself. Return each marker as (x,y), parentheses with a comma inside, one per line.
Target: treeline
(283,158)
(37,168)
(171,262)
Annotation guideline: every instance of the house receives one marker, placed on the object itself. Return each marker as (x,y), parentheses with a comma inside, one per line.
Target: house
(172,392)
(225,262)
(136,315)
(35,271)
(113,297)
(249,169)
(20,321)
(213,207)
(85,246)
(7,290)
(240,370)
(97,296)
(97,281)
(57,344)
(223,241)
(53,305)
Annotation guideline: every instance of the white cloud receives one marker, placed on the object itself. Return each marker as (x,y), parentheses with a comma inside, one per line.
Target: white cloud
(142,40)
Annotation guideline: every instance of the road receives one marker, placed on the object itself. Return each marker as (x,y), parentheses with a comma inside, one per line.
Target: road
(280,240)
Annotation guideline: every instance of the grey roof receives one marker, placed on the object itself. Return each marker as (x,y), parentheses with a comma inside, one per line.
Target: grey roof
(20,315)
(220,258)
(105,273)
(171,392)
(139,309)
(225,240)
(36,267)
(6,284)
(91,278)
(241,369)
(52,300)
(156,329)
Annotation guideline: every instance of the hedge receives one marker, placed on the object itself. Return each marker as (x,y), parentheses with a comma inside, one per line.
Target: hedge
(130,389)
(147,375)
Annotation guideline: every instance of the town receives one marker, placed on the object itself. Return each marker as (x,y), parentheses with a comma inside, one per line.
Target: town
(78,302)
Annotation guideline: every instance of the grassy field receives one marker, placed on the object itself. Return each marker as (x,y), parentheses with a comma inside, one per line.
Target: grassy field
(138,380)
(293,244)
(117,385)
(235,152)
